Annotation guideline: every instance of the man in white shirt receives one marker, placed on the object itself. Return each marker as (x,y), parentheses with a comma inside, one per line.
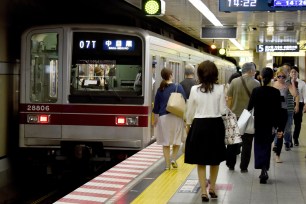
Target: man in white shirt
(302,108)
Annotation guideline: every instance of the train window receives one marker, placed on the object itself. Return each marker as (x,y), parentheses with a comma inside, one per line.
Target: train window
(106,68)
(44,68)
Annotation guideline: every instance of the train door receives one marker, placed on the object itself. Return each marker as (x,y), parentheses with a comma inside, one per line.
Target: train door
(175,67)
(41,73)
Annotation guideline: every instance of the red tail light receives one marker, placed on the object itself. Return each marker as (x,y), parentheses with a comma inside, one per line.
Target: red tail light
(43,118)
(127,120)
(120,120)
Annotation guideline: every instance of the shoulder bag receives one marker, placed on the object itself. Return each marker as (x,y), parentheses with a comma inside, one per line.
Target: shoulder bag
(248,123)
(176,104)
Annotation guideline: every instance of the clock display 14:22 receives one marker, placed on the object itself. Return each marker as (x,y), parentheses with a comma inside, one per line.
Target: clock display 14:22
(242,3)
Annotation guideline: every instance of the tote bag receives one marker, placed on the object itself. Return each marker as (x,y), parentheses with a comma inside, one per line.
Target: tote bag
(250,129)
(232,134)
(243,121)
(176,104)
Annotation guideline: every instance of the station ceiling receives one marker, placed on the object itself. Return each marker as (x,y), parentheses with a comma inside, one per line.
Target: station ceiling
(253,28)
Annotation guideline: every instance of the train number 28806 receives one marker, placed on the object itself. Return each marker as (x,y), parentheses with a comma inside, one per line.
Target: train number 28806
(38,108)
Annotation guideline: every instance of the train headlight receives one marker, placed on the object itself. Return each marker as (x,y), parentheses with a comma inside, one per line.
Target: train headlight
(127,120)
(38,118)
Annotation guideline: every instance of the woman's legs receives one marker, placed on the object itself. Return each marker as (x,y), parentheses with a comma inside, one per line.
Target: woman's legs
(213,177)
(202,178)
(166,151)
(175,149)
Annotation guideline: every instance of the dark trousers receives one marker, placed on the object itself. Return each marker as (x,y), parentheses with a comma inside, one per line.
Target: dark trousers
(231,154)
(297,123)
(262,153)
(233,150)
(247,142)
(279,141)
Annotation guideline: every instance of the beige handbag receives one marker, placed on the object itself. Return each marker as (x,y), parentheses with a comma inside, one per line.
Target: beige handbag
(232,134)
(176,104)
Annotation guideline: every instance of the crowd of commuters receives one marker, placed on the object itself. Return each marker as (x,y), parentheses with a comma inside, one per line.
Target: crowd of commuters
(276,95)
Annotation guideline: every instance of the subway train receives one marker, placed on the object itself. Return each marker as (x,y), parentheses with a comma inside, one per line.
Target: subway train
(94,85)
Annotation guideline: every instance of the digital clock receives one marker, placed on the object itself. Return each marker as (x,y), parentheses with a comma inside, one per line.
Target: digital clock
(289,3)
(242,3)
(261,5)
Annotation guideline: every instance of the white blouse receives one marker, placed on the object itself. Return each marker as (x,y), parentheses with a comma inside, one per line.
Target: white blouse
(206,105)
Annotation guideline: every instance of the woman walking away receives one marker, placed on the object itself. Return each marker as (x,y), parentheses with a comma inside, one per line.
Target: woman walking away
(266,102)
(169,128)
(206,133)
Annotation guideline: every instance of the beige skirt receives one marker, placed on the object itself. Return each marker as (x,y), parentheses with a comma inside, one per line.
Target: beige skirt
(170,130)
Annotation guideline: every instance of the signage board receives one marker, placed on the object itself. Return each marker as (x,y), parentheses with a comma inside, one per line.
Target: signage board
(278,48)
(221,32)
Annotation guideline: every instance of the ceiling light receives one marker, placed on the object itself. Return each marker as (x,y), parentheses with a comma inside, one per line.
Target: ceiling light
(213,45)
(222,51)
(198,4)
(206,12)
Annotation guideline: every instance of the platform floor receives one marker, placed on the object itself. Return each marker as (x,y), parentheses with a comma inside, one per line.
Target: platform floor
(152,184)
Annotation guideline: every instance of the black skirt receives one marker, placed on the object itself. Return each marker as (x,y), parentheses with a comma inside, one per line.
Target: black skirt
(205,142)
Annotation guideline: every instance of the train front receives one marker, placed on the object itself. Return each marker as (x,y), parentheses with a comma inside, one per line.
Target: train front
(85,86)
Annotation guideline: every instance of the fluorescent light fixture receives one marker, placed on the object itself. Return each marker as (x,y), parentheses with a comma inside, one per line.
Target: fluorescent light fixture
(236,43)
(206,12)
(198,4)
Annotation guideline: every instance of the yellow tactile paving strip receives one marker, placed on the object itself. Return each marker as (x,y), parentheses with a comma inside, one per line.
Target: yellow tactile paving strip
(165,186)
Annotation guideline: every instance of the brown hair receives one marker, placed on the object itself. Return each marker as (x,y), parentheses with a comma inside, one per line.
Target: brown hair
(208,76)
(165,74)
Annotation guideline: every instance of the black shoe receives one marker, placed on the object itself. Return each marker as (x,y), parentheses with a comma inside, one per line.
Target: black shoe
(296,144)
(244,171)
(212,194)
(264,175)
(274,149)
(205,198)
(263,181)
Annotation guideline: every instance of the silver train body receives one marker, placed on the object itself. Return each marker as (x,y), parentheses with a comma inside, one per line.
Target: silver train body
(79,84)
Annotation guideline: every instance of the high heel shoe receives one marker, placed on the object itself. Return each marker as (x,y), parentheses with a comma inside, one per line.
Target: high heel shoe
(212,194)
(205,198)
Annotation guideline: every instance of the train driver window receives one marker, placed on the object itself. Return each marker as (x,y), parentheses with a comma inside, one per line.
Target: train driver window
(106,68)
(44,68)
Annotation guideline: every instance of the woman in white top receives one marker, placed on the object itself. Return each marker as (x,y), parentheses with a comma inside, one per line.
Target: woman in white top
(205,141)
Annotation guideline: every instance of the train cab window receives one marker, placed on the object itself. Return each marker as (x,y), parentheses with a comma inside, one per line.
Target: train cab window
(44,68)
(106,69)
